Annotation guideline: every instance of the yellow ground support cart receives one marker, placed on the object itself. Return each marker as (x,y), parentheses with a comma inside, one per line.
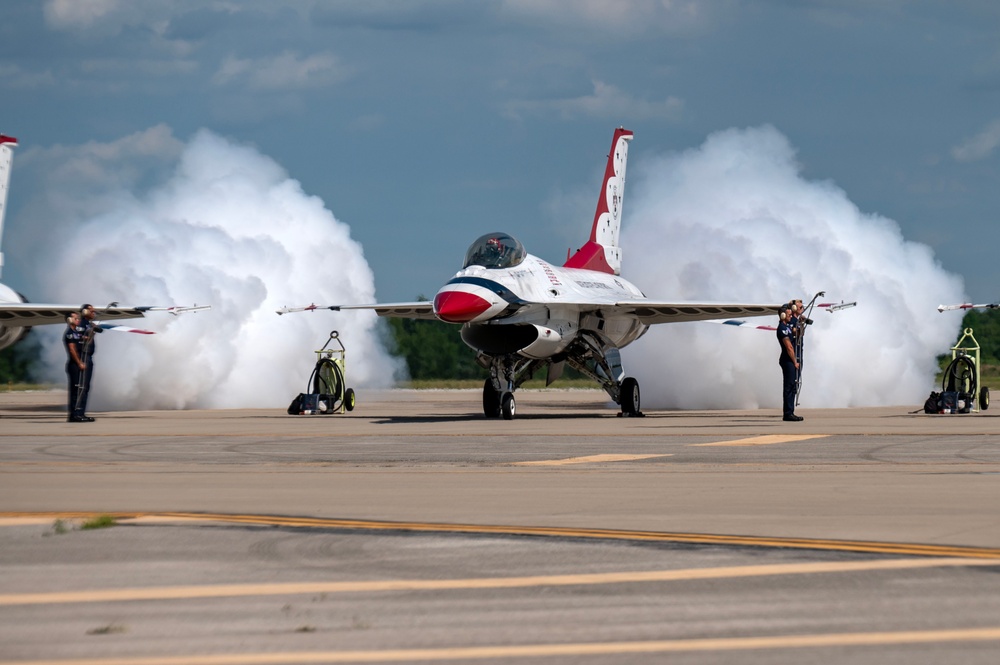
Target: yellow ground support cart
(962,374)
(327,382)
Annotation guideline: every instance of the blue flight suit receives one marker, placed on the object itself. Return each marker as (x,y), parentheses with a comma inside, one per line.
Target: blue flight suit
(789,374)
(87,349)
(73,335)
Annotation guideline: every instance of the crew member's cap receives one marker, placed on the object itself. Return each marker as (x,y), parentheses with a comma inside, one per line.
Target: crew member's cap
(85,307)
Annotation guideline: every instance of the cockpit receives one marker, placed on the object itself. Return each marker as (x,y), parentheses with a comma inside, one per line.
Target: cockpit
(495,250)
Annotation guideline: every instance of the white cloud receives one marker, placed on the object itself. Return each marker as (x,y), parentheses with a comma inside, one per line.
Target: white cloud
(607,101)
(979,146)
(735,221)
(213,222)
(287,71)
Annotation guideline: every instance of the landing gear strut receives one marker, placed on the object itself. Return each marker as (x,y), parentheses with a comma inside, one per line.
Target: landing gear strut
(507,373)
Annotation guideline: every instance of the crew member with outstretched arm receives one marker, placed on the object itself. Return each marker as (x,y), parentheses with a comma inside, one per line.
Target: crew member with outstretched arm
(789,364)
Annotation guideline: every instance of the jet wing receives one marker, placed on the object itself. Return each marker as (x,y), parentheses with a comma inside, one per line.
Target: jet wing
(20,315)
(422,309)
(650,312)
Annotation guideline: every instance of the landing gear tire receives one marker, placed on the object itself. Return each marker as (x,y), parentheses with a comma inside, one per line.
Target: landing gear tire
(629,392)
(984,398)
(491,400)
(507,406)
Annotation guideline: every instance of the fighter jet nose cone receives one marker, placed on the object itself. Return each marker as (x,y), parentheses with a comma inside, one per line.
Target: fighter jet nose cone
(459,306)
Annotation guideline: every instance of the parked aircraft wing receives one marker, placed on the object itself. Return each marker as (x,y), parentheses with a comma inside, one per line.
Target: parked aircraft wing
(35,314)
(422,309)
(825,306)
(967,305)
(650,312)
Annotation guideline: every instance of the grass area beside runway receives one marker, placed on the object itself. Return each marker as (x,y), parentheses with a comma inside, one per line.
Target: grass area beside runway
(11,387)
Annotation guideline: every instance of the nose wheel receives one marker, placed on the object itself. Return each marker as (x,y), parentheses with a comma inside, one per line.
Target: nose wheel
(508,406)
(497,404)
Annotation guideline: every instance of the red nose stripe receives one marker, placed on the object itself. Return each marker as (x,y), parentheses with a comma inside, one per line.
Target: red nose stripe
(459,306)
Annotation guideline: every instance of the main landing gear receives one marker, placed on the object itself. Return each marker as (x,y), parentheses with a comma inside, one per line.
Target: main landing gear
(507,373)
(628,392)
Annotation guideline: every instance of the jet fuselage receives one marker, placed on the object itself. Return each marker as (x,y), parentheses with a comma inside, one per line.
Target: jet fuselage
(534,308)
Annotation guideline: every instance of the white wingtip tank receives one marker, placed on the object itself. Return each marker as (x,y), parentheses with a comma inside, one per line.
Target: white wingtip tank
(7,145)
(602,252)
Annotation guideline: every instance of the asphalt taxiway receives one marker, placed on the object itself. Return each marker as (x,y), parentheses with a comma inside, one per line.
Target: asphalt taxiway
(565,534)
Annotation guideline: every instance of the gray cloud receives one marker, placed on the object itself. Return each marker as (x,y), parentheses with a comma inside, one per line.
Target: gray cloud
(287,71)
(980,146)
(607,101)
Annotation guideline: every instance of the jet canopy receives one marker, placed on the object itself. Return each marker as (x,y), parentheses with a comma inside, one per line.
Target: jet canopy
(495,250)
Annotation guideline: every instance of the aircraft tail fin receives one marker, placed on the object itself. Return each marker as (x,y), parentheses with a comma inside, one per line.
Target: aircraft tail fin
(7,145)
(602,252)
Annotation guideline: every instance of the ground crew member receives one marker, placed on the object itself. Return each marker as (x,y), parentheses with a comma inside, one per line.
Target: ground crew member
(75,366)
(88,329)
(789,364)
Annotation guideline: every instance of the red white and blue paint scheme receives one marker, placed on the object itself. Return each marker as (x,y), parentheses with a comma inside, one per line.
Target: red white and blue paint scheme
(522,314)
(18,316)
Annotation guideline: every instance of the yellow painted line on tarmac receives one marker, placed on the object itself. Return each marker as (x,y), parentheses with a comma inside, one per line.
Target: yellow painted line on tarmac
(875,547)
(766,440)
(724,644)
(372,586)
(589,459)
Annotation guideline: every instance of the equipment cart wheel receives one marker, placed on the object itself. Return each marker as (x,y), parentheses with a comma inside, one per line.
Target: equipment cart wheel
(984,398)
(507,406)
(349,399)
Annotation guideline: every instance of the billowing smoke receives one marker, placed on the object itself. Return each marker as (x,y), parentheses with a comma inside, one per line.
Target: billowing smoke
(734,221)
(215,223)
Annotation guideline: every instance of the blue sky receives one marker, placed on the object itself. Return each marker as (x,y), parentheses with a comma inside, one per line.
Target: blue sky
(422,125)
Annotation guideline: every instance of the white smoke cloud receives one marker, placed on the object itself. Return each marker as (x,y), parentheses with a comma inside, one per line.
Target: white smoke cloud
(227,227)
(734,221)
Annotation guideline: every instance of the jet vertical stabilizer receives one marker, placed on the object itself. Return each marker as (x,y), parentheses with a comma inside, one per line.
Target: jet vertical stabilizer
(7,145)
(602,252)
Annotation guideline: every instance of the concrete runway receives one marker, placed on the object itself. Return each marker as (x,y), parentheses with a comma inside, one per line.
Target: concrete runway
(566,535)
